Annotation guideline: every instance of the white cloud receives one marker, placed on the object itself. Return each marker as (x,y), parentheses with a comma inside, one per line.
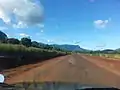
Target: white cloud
(3,28)
(20,25)
(57,40)
(24,35)
(50,41)
(101,23)
(21,13)
(41,26)
(4,17)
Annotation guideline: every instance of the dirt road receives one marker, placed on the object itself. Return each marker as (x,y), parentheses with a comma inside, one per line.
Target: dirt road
(73,68)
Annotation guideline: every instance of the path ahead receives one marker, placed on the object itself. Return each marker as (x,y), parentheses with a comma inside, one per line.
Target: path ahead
(74,68)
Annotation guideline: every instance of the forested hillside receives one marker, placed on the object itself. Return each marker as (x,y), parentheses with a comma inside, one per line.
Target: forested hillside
(14,52)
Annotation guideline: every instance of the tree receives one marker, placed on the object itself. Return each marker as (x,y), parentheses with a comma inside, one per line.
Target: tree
(3,37)
(26,41)
(35,44)
(41,45)
(48,47)
(13,41)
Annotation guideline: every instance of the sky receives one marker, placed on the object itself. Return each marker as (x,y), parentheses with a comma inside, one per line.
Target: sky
(92,24)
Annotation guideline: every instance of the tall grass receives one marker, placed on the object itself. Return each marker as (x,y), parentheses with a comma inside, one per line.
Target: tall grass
(114,56)
(20,48)
(26,55)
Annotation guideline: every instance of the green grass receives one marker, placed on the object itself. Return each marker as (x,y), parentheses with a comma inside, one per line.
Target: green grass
(26,55)
(20,48)
(114,56)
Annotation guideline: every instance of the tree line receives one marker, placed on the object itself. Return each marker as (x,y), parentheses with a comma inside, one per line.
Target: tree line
(25,51)
(26,41)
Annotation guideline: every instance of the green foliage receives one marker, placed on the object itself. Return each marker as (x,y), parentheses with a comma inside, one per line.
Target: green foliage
(26,51)
(35,44)
(26,41)
(11,48)
(48,47)
(22,49)
(25,54)
(3,37)
(13,41)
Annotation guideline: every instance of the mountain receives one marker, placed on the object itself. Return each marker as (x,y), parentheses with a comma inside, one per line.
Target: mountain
(108,51)
(69,47)
(118,49)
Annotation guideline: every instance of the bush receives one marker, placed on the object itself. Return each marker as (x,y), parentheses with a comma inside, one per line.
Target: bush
(3,37)
(26,41)
(13,41)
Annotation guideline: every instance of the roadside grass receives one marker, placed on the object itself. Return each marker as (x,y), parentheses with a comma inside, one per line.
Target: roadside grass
(22,55)
(21,48)
(10,48)
(111,56)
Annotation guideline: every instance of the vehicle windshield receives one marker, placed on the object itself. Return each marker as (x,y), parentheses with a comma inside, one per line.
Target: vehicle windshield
(59,43)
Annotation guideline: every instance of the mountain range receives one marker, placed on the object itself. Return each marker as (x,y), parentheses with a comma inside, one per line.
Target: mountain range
(69,47)
(78,48)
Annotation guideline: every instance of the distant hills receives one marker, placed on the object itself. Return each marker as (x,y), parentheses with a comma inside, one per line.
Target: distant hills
(78,48)
(118,49)
(108,51)
(69,47)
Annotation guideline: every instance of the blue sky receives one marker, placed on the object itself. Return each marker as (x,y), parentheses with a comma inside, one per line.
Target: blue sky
(94,24)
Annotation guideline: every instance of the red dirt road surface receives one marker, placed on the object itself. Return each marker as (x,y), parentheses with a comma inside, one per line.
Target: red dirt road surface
(72,68)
